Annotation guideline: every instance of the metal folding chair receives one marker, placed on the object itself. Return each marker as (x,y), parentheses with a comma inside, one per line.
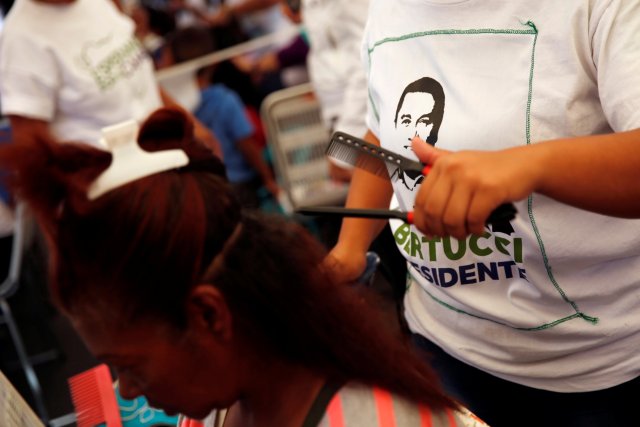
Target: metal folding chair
(7,289)
(298,140)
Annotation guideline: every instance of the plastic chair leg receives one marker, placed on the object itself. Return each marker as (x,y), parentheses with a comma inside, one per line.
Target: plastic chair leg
(27,367)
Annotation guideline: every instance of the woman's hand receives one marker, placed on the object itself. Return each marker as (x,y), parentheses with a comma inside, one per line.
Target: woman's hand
(345,265)
(272,187)
(463,188)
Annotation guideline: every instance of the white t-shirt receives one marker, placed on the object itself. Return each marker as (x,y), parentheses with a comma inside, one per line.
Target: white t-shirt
(553,302)
(77,66)
(335,29)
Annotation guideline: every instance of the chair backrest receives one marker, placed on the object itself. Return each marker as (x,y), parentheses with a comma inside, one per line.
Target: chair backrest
(298,139)
(10,284)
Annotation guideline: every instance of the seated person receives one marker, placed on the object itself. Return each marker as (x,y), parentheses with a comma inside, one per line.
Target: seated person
(199,305)
(222,111)
(68,68)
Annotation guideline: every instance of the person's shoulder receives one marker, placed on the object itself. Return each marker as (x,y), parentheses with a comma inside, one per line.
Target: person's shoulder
(465,418)
(17,20)
(29,20)
(368,401)
(216,90)
(358,405)
(223,90)
(21,35)
(215,419)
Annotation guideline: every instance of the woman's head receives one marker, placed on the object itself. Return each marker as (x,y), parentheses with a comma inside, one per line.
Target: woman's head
(139,248)
(168,281)
(164,277)
(189,371)
(125,267)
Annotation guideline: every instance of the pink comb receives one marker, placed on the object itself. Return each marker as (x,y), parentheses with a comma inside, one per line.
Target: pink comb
(94,398)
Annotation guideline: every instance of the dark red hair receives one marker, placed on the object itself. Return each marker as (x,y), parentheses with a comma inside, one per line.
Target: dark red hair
(114,246)
(142,247)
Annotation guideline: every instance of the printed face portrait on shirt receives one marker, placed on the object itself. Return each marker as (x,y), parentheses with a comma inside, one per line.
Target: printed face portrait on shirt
(419,113)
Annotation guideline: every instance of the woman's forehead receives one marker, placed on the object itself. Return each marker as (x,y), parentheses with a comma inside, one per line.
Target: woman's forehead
(109,337)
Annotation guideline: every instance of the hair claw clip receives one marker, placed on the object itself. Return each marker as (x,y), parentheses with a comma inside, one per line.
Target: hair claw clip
(130,162)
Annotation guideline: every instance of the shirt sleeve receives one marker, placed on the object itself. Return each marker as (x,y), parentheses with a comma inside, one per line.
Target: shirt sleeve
(239,125)
(29,77)
(353,18)
(371,116)
(616,55)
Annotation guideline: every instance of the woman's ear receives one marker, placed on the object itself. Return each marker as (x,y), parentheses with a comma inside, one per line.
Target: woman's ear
(208,313)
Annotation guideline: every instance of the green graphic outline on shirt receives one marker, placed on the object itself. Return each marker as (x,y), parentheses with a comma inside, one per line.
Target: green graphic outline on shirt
(119,63)
(533,30)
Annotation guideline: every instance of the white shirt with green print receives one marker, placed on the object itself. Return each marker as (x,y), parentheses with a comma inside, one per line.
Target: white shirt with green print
(550,300)
(77,66)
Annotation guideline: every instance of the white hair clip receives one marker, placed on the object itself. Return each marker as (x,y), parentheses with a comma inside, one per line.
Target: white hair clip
(129,161)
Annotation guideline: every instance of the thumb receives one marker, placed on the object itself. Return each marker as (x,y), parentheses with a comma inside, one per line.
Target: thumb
(427,153)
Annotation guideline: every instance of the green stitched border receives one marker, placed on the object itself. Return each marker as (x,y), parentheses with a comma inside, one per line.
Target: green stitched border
(536,328)
(533,30)
(536,230)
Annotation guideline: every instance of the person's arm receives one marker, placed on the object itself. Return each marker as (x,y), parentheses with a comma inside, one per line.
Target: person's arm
(347,258)
(202,133)
(597,173)
(25,128)
(339,173)
(249,149)
(291,9)
(295,53)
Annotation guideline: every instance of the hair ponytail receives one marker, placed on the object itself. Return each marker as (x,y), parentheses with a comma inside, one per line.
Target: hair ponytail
(116,240)
(44,173)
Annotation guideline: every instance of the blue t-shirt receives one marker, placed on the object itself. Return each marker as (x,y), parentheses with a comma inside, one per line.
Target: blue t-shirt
(222,111)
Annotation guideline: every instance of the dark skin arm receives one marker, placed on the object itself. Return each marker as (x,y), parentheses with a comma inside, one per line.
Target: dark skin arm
(597,173)
(347,259)
(249,149)
(27,128)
